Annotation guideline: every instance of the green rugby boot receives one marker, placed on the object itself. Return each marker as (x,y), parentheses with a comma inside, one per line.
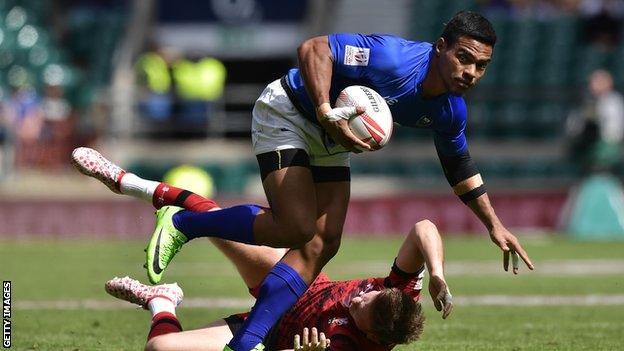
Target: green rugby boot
(164,244)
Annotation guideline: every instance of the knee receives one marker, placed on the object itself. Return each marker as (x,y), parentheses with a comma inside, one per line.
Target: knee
(300,231)
(324,246)
(331,244)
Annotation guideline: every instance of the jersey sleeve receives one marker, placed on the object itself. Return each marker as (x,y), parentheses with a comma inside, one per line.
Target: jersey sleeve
(358,56)
(410,283)
(450,139)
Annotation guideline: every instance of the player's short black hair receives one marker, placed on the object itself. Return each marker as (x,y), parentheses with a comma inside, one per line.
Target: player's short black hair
(470,24)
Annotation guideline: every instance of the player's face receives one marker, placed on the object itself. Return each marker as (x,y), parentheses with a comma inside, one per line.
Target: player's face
(362,313)
(463,63)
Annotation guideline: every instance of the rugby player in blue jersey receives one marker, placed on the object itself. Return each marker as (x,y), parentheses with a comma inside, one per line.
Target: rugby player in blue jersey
(302,145)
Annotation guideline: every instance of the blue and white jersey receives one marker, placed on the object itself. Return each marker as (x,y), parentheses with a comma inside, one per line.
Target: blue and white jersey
(395,68)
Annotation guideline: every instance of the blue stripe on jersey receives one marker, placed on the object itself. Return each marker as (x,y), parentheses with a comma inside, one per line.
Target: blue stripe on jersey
(395,68)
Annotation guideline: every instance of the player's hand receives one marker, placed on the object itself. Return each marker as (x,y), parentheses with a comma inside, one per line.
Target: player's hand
(511,247)
(314,342)
(440,294)
(335,121)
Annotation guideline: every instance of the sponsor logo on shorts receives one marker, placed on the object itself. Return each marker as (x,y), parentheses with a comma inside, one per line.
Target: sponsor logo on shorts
(424,121)
(355,56)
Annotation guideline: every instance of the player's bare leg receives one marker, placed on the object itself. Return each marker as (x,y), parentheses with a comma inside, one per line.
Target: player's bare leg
(332,200)
(290,222)
(289,278)
(290,191)
(252,262)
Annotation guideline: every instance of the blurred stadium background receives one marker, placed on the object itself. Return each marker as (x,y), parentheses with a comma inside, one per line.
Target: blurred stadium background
(156,84)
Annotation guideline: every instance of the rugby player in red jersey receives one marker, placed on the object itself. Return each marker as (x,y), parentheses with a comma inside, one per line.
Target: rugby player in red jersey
(360,314)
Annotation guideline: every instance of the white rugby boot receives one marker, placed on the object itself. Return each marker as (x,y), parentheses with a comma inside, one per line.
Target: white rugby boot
(91,163)
(133,291)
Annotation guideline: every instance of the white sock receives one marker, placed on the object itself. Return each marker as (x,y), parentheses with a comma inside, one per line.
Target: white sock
(135,186)
(161,304)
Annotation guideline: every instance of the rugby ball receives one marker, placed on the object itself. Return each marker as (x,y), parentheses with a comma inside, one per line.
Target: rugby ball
(374,126)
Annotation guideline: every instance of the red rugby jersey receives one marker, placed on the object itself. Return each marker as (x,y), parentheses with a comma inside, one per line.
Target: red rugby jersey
(325,306)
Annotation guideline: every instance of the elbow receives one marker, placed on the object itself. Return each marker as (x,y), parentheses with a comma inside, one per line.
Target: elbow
(312,45)
(303,48)
(424,228)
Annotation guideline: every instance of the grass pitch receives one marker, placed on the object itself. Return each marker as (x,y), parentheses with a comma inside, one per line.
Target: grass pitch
(48,274)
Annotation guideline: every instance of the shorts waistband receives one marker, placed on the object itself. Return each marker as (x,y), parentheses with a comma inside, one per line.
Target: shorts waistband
(293,98)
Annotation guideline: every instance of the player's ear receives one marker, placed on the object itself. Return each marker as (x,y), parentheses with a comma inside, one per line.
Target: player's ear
(440,45)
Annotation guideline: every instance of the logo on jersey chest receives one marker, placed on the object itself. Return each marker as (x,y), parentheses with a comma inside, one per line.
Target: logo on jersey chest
(424,121)
(338,321)
(355,56)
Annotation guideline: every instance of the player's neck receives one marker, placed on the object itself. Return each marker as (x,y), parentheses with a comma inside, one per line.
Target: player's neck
(433,85)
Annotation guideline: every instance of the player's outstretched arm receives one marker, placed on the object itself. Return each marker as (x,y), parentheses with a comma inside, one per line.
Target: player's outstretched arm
(315,65)
(423,246)
(482,207)
(462,174)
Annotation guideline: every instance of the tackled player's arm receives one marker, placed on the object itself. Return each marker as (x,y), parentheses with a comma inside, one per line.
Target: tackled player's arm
(316,66)
(423,246)
(465,179)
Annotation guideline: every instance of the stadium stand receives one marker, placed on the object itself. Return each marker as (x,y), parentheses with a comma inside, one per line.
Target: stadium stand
(537,77)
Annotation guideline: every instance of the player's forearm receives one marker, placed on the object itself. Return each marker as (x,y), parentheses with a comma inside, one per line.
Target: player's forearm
(464,177)
(429,242)
(482,207)
(315,65)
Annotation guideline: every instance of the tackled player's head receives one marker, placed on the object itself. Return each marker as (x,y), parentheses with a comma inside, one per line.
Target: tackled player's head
(463,50)
(389,316)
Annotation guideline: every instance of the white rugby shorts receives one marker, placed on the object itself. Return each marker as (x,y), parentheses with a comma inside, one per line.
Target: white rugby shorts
(278,125)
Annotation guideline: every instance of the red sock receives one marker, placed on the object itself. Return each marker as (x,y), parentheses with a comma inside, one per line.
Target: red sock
(118,180)
(164,323)
(167,195)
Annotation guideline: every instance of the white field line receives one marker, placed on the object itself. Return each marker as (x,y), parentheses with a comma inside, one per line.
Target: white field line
(113,304)
(539,300)
(245,303)
(477,268)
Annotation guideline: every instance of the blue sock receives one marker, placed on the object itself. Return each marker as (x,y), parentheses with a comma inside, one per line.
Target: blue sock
(233,223)
(279,291)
